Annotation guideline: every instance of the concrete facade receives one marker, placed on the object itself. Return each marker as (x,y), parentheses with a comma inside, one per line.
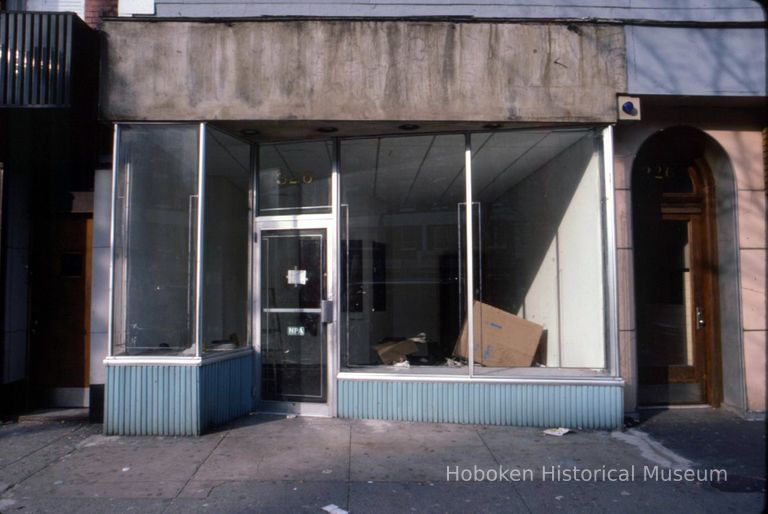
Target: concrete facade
(362,71)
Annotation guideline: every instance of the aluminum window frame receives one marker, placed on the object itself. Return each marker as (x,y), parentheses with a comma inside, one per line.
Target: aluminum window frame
(607,375)
(199,356)
(610,373)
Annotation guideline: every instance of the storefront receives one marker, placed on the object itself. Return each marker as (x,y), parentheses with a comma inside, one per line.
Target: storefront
(453,276)
(425,234)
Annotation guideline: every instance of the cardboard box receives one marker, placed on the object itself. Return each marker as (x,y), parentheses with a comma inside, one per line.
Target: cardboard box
(501,339)
(391,352)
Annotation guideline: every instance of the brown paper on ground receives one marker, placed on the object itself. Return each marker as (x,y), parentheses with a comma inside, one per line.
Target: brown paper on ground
(501,338)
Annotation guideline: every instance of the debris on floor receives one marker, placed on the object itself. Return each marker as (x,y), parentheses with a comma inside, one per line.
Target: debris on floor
(391,352)
(559,432)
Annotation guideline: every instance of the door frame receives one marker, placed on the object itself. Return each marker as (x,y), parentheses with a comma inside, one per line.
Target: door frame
(704,181)
(299,222)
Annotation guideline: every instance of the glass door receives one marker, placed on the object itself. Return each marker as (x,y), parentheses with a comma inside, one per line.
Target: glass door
(294,314)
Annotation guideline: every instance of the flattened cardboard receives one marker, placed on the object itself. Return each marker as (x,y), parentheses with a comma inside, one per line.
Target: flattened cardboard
(391,352)
(501,338)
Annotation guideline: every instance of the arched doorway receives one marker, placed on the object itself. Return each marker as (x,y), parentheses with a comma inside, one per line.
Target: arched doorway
(676,271)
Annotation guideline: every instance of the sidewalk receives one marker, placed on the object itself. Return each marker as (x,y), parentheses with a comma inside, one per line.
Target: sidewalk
(273,464)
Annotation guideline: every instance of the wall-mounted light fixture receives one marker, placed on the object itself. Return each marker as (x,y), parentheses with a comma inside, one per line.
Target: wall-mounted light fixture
(628,107)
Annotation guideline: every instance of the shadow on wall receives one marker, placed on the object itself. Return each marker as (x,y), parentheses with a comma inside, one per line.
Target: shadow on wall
(521,226)
(542,254)
(696,61)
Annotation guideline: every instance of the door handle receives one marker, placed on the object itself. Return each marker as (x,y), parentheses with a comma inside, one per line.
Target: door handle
(326,311)
(700,318)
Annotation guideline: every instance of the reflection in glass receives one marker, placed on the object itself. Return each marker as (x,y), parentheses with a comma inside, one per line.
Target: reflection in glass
(538,275)
(226,272)
(401,202)
(294,178)
(155,240)
(293,344)
(666,313)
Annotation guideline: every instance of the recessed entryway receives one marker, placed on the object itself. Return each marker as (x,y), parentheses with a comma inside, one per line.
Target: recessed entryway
(676,271)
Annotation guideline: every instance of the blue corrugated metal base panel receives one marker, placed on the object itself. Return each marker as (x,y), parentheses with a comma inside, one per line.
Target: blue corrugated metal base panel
(539,405)
(176,400)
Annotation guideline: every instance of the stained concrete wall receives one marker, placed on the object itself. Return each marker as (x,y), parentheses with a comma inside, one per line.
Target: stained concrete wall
(361,70)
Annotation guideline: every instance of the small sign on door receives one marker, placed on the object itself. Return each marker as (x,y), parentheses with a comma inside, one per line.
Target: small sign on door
(296,277)
(296,331)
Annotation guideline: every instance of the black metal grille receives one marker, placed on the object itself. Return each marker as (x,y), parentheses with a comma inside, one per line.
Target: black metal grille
(35,59)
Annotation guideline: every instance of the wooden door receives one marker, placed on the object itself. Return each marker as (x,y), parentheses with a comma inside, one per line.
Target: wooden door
(60,286)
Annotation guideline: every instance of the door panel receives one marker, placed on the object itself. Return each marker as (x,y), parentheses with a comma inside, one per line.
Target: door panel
(293,334)
(671,353)
(60,306)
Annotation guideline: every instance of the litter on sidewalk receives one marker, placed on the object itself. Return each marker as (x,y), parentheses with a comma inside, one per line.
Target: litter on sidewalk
(559,432)
(334,509)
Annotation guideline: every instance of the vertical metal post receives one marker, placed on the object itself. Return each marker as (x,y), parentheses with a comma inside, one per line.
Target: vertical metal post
(112,228)
(256,279)
(611,289)
(470,252)
(251,238)
(198,336)
(334,277)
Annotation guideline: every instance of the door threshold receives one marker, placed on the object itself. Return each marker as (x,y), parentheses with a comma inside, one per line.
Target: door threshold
(315,410)
(291,414)
(675,407)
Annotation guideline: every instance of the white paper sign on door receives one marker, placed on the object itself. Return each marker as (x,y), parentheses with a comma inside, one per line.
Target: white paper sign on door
(296,277)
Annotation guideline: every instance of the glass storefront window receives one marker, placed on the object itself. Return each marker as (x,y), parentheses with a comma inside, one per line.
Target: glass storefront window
(295,178)
(158,303)
(226,242)
(537,286)
(156,188)
(401,202)
(538,270)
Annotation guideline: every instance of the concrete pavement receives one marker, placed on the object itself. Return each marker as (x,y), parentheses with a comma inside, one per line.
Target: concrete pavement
(266,463)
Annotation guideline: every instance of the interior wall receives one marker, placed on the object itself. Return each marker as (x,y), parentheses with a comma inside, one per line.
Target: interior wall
(368,323)
(400,198)
(226,260)
(555,223)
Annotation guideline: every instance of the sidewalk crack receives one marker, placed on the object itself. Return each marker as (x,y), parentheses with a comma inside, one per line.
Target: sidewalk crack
(197,468)
(349,468)
(47,464)
(498,463)
(79,427)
